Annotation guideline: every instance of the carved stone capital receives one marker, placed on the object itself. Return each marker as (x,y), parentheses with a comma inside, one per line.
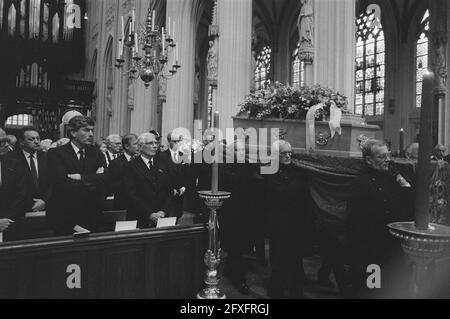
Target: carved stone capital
(306,52)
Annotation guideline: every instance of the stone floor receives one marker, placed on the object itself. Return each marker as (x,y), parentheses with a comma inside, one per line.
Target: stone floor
(258,277)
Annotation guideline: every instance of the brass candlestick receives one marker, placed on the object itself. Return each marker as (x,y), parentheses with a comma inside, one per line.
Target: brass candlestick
(213,200)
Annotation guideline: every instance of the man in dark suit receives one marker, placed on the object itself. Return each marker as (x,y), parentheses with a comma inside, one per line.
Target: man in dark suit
(114,148)
(179,172)
(34,164)
(380,196)
(78,180)
(117,168)
(12,191)
(147,185)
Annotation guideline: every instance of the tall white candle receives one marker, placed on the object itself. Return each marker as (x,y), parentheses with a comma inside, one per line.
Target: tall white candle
(163,40)
(123,28)
(176,55)
(153,20)
(133,20)
(173,31)
(168,28)
(136,44)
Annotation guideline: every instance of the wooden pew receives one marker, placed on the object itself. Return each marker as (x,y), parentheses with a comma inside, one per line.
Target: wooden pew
(154,263)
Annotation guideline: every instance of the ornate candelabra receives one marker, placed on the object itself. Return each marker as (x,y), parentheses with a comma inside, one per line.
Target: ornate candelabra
(213,200)
(159,47)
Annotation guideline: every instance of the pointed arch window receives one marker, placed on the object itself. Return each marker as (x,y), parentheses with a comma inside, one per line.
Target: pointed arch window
(45,18)
(67,32)
(1,14)
(370,65)
(422,55)
(262,73)
(298,68)
(55,28)
(35,18)
(12,14)
(22,21)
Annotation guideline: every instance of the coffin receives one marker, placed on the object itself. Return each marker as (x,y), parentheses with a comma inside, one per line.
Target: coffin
(294,131)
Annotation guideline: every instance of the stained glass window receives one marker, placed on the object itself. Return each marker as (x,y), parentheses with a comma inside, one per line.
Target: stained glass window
(12,20)
(298,69)
(68,32)
(34,21)
(1,14)
(262,73)
(422,56)
(19,120)
(370,65)
(55,28)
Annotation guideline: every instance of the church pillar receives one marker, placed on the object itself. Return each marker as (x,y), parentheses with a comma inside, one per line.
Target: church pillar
(334,42)
(179,108)
(235,23)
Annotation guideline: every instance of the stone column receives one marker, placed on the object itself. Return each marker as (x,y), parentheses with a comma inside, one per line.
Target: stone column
(179,108)
(235,23)
(334,42)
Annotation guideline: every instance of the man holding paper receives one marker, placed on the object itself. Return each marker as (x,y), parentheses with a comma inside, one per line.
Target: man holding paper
(12,191)
(147,185)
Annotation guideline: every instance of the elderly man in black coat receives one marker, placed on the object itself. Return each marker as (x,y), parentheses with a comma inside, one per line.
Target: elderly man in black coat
(78,181)
(288,222)
(12,191)
(380,196)
(147,183)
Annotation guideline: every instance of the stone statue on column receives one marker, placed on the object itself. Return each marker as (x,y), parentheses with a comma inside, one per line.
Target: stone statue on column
(130,93)
(305,23)
(162,88)
(440,63)
(213,60)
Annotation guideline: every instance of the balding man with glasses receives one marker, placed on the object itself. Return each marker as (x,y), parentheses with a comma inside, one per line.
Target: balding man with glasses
(147,185)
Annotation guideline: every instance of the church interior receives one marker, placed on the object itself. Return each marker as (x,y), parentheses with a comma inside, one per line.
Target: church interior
(358,69)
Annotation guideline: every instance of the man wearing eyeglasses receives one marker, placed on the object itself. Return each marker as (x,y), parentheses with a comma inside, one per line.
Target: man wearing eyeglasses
(12,191)
(147,185)
(288,225)
(380,195)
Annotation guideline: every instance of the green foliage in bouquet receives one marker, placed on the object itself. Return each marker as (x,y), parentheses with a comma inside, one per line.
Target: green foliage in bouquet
(285,102)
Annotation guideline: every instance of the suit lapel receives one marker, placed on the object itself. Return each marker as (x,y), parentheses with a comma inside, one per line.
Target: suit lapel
(144,169)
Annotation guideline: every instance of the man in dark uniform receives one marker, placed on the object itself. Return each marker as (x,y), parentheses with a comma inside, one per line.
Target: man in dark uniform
(288,225)
(235,220)
(117,170)
(178,170)
(34,163)
(78,180)
(380,196)
(148,189)
(12,191)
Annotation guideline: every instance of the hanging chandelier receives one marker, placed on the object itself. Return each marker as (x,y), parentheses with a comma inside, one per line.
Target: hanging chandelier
(159,50)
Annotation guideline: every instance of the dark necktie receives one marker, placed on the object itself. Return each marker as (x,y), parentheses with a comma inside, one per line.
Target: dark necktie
(150,165)
(33,170)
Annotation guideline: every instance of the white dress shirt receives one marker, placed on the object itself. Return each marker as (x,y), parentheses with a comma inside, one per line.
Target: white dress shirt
(76,149)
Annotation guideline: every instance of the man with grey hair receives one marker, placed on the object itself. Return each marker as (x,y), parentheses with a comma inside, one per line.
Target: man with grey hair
(117,169)
(147,185)
(114,148)
(288,224)
(380,195)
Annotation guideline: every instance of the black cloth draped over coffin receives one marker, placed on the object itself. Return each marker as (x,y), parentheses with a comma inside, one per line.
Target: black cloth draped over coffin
(330,179)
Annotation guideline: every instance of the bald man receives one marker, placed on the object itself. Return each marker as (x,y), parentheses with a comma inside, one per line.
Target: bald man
(147,185)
